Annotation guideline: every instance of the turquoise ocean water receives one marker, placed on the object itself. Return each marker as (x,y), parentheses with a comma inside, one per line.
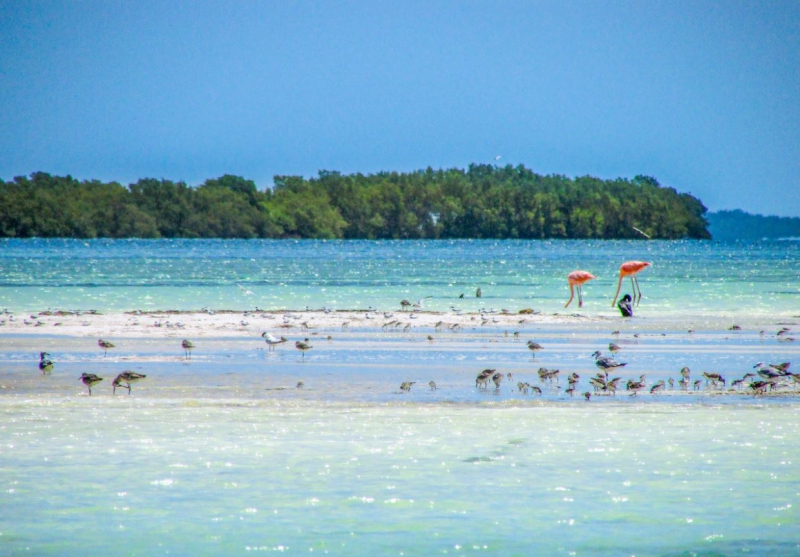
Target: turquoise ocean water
(687,277)
(221,455)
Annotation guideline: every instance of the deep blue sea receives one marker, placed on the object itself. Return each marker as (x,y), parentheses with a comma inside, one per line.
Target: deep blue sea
(222,455)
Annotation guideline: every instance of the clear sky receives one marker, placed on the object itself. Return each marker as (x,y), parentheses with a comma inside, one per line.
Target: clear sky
(703,95)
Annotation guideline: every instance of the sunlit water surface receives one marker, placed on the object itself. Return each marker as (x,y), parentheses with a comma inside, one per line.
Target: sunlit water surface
(687,277)
(222,455)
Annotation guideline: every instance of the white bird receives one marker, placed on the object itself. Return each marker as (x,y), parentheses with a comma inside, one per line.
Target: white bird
(272,340)
(245,290)
(498,157)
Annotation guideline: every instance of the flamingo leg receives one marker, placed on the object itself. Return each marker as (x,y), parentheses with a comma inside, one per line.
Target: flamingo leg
(580,297)
(619,286)
(571,295)
(639,288)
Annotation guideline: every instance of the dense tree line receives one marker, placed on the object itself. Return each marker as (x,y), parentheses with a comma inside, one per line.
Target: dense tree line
(483,201)
(738,225)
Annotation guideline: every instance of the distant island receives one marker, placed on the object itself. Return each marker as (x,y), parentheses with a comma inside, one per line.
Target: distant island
(483,201)
(738,225)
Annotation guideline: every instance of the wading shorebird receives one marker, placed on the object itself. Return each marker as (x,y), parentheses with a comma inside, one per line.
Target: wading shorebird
(432,385)
(187,348)
(300,385)
(634,386)
(105,345)
(125,379)
(272,340)
(497,378)
(45,365)
(614,348)
(405,386)
(303,347)
(576,280)
(90,379)
(630,269)
(604,362)
(484,377)
(534,347)
(657,388)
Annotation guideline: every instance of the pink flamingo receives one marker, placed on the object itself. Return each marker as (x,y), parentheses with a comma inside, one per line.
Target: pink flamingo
(629,269)
(577,278)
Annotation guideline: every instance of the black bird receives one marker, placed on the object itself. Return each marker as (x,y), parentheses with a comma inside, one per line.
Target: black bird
(45,365)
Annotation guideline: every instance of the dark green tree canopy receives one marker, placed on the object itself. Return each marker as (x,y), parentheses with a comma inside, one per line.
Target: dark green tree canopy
(483,201)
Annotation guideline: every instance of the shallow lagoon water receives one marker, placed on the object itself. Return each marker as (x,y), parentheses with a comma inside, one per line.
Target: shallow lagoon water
(222,455)
(687,277)
(136,476)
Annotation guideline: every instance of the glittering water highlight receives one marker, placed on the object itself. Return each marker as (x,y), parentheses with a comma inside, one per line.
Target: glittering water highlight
(223,455)
(687,277)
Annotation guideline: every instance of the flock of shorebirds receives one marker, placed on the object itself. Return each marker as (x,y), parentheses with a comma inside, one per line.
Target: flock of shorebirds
(765,377)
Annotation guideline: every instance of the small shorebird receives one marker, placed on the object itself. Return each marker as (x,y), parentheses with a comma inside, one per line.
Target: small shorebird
(630,269)
(657,388)
(714,378)
(497,378)
(187,348)
(604,362)
(614,348)
(405,386)
(432,385)
(272,340)
(634,386)
(405,304)
(300,385)
(303,347)
(772,371)
(90,379)
(105,345)
(534,347)
(484,377)
(126,377)
(45,365)
(576,280)
(548,374)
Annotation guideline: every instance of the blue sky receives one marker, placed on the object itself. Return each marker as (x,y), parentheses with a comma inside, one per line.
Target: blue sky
(703,95)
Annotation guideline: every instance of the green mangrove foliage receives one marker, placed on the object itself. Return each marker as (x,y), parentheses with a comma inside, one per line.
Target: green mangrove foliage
(483,201)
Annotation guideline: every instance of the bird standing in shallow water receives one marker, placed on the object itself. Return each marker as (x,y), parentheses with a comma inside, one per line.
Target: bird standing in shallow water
(604,362)
(303,347)
(630,269)
(45,365)
(90,379)
(432,385)
(534,347)
(577,279)
(126,377)
(105,345)
(187,348)
(484,377)
(497,378)
(272,340)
